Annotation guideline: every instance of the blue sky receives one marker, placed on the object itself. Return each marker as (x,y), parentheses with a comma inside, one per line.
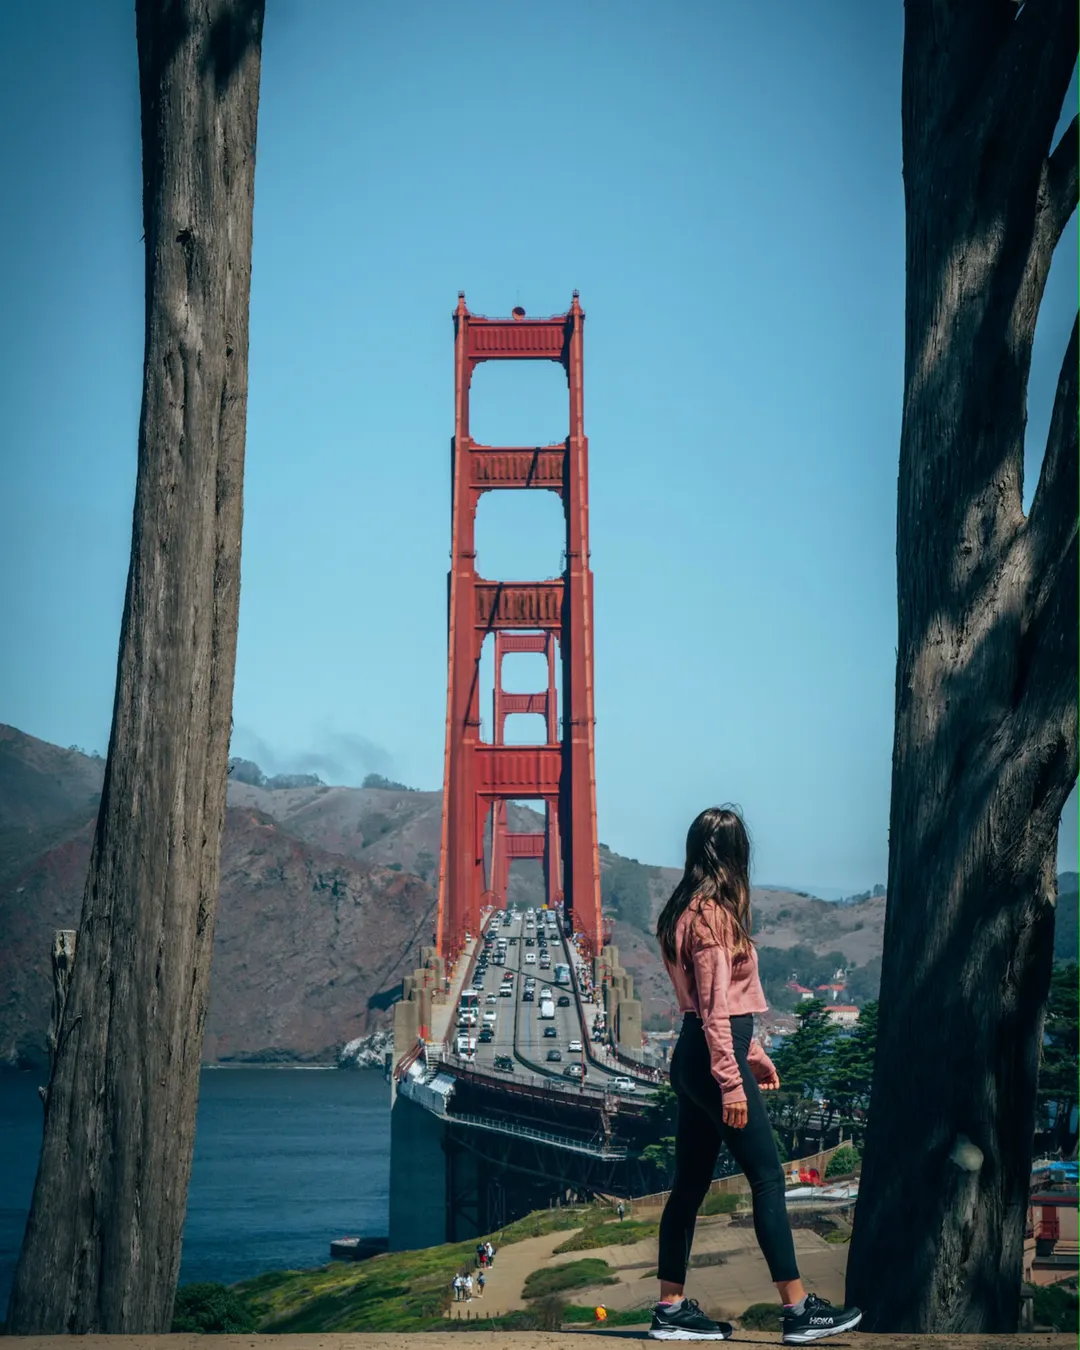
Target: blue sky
(720,181)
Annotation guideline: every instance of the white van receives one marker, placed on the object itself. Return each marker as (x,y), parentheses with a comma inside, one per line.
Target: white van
(465,1045)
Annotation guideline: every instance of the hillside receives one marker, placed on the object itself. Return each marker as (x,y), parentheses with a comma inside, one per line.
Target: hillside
(310,944)
(327,895)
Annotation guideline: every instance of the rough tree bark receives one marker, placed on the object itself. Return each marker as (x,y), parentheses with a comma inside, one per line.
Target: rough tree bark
(985,749)
(102,1246)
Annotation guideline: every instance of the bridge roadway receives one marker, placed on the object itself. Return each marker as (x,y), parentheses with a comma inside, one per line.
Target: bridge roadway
(518,1029)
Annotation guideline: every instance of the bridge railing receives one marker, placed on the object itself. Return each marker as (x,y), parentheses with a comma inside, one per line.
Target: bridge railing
(595,1147)
(643,1074)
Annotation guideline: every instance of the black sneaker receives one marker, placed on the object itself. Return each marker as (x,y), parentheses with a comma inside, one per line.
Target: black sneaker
(817,1319)
(686,1322)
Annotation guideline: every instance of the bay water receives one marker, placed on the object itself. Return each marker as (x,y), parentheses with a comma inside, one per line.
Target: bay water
(286,1160)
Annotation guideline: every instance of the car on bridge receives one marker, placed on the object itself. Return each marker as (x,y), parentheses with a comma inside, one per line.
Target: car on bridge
(528,996)
(574,1071)
(574,1046)
(551,1032)
(530,958)
(492,998)
(563,1001)
(504,1063)
(554,1056)
(507,991)
(491,1016)
(623,1085)
(486,1036)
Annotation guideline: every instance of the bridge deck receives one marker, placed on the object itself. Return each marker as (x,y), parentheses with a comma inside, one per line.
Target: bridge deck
(520,1035)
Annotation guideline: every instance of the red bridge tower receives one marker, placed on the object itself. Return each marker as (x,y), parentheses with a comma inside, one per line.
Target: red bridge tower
(539,616)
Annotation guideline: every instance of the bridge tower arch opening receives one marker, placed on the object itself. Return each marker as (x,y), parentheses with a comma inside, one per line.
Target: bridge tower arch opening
(553,617)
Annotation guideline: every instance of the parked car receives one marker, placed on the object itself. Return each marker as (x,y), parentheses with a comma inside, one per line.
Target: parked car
(554,1056)
(551,1032)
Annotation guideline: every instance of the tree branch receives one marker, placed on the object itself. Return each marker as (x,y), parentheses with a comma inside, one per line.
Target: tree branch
(1025,86)
(1061,185)
(1044,692)
(1052,521)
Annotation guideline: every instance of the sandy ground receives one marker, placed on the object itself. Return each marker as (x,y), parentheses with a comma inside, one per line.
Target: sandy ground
(724,1290)
(515,1340)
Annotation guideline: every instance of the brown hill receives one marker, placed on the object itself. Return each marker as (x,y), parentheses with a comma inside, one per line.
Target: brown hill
(309,946)
(328,892)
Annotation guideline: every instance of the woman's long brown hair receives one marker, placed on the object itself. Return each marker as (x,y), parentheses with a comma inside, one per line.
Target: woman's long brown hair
(717,874)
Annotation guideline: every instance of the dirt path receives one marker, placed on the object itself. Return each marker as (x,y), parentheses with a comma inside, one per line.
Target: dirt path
(513,1265)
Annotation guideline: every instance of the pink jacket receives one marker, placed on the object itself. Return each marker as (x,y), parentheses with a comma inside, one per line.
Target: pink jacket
(708,982)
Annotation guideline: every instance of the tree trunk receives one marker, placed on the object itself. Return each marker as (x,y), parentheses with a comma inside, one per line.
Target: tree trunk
(985,749)
(102,1245)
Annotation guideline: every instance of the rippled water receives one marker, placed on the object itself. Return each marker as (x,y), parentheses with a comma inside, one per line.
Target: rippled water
(286,1160)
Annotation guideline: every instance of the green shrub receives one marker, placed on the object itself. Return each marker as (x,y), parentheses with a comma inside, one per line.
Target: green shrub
(843,1161)
(1055,1306)
(573,1275)
(608,1235)
(838,1235)
(719,1202)
(211,1308)
(761,1317)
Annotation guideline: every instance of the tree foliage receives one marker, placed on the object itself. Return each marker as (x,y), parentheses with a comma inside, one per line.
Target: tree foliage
(211,1308)
(1058,1071)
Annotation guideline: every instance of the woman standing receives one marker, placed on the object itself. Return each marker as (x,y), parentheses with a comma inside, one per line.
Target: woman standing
(718,1074)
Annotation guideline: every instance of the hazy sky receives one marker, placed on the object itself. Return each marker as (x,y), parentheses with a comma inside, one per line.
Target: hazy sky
(720,181)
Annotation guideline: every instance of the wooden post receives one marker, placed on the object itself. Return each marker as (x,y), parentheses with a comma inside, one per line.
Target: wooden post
(63,958)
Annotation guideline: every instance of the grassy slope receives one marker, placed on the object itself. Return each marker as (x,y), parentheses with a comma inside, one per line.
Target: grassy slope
(400,1291)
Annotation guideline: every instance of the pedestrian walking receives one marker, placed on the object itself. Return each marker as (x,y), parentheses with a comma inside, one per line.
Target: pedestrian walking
(457,1288)
(620,1211)
(481,1253)
(481,1280)
(468,1288)
(718,1073)
(490,1254)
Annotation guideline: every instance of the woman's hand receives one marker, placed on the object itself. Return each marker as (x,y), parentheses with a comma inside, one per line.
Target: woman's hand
(770,1083)
(735,1115)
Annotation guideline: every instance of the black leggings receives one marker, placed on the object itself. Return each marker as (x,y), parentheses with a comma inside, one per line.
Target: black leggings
(699,1134)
